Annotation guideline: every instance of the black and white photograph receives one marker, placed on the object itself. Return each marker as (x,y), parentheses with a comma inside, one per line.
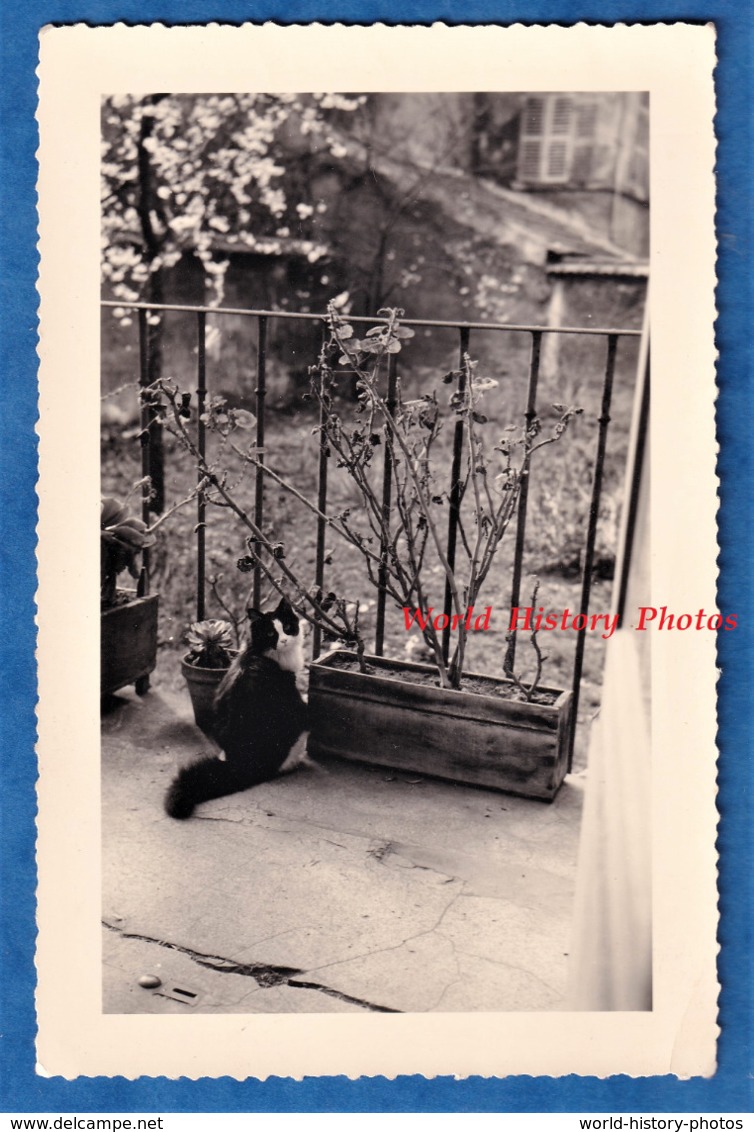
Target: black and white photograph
(369,365)
(380,606)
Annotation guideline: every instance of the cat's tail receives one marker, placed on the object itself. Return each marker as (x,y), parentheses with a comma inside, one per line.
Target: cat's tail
(198,782)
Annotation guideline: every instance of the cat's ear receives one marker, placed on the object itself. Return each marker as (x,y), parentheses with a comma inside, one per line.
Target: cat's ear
(284,608)
(253,614)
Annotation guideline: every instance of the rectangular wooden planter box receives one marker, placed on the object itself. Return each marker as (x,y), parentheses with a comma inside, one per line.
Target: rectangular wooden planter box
(508,745)
(128,644)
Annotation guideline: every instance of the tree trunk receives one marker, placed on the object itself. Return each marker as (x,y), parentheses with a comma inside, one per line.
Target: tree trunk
(156,294)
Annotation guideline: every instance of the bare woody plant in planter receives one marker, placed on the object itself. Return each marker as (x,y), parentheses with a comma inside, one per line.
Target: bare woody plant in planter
(211,642)
(401,545)
(337,617)
(483,738)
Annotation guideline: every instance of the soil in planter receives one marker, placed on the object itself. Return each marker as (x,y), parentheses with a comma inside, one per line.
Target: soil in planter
(483,685)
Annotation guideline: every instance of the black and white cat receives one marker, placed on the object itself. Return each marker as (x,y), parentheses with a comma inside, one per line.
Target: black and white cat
(260,718)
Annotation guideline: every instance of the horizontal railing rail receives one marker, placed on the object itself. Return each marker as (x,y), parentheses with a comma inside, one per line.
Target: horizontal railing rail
(595,331)
(464,330)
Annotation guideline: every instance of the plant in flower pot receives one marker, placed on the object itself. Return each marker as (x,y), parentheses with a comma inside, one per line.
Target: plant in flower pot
(209,657)
(492,731)
(128,638)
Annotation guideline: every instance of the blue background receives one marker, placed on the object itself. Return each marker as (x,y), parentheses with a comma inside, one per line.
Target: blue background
(20,1090)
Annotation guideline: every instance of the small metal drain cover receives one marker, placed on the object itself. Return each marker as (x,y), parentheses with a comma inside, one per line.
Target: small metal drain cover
(180,993)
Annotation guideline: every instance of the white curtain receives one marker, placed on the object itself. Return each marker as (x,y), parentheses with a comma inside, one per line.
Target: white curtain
(611,951)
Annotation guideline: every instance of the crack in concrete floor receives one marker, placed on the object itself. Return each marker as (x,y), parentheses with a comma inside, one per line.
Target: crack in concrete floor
(458,953)
(394,946)
(382,853)
(266,975)
(499,963)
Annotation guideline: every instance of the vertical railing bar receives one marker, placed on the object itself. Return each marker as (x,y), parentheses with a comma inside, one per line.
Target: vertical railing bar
(261,394)
(142,586)
(591,534)
(523,495)
(455,490)
(319,562)
(387,491)
(201,507)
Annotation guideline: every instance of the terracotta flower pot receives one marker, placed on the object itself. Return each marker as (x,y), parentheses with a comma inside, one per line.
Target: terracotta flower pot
(411,723)
(202,685)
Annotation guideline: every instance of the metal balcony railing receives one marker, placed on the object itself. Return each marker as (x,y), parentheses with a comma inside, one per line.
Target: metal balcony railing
(464,330)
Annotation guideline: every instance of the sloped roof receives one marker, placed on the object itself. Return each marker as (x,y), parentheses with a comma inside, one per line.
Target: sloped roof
(501,215)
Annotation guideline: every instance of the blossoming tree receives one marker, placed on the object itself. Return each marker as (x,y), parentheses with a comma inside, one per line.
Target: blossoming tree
(199,174)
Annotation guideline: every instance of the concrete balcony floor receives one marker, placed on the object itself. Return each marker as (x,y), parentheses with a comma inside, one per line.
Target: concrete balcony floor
(338,888)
